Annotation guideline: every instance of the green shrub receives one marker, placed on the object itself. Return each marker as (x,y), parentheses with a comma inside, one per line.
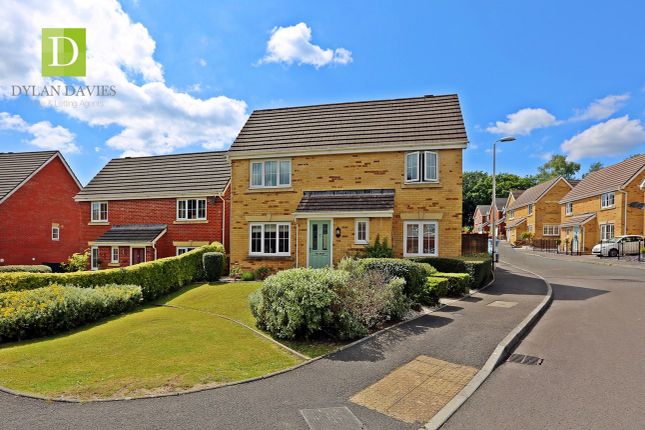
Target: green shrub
(77,262)
(214,265)
(413,273)
(479,271)
(31,313)
(458,283)
(443,264)
(435,288)
(262,273)
(36,268)
(156,278)
(377,250)
(247,276)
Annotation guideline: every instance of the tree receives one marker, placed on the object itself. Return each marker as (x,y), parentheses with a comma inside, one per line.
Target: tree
(594,167)
(557,166)
(478,189)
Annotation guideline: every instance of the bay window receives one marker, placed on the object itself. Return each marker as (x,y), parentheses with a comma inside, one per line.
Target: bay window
(191,209)
(270,173)
(270,239)
(420,238)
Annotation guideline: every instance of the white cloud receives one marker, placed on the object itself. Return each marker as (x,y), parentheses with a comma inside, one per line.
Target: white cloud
(293,45)
(202,62)
(154,119)
(602,108)
(44,135)
(613,137)
(523,122)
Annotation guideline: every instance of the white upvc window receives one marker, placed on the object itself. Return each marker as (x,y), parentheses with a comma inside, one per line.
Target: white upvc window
(270,173)
(607,200)
(94,258)
(607,231)
(270,239)
(420,238)
(511,214)
(184,249)
(55,232)
(362,231)
(568,208)
(99,212)
(530,228)
(551,230)
(530,208)
(114,254)
(191,209)
(421,166)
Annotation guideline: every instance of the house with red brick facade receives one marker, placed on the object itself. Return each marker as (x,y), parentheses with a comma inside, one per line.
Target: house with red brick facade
(39,219)
(139,209)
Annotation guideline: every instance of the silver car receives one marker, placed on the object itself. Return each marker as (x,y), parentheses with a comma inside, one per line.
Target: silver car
(624,245)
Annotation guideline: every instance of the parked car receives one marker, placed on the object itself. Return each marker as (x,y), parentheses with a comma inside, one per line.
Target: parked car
(624,245)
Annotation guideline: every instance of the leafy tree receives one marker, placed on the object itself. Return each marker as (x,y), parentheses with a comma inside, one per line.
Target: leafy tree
(557,166)
(594,167)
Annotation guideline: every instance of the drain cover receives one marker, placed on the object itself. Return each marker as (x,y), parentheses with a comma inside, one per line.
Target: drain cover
(525,359)
(502,304)
(340,418)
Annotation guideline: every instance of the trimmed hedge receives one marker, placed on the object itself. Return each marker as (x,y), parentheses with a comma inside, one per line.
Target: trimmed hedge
(36,268)
(31,313)
(434,288)
(156,278)
(458,283)
(214,265)
(414,273)
(479,271)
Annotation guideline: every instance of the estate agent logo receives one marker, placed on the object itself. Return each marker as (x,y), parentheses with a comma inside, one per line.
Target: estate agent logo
(63,52)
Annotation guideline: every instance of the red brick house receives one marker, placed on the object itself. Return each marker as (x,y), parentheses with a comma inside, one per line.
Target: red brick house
(143,208)
(39,219)
(481,222)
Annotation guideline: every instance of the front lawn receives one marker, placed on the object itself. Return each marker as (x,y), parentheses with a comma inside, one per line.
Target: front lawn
(153,350)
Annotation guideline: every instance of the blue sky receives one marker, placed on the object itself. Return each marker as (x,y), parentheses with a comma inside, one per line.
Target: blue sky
(570,72)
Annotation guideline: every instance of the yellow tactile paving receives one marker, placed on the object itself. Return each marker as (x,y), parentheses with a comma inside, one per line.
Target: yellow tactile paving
(416,391)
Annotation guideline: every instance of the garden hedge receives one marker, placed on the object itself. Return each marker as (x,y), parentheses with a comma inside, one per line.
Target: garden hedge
(458,283)
(479,270)
(156,278)
(31,313)
(414,273)
(36,268)
(434,288)
(214,265)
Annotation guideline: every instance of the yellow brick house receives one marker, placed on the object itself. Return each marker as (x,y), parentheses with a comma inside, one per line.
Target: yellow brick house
(536,210)
(312,184)
(605,203)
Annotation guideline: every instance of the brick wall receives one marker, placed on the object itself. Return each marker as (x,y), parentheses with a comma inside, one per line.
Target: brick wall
(347,171)
(26,218)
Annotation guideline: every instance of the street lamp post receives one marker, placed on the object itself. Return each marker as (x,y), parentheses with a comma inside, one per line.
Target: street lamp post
(494,205)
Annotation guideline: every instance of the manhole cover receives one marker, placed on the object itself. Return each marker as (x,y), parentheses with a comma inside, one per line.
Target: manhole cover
(525,359)
(340,418)
(502,304)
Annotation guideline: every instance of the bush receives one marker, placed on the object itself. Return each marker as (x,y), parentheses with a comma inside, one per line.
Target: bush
(442,264)
(214,265)
(413,273)
(42,311)
(36,268)
(77,262)
(435,288)
(458,283)
(479,271)
(262,273)
(156,278)
(378,249)
(247,276)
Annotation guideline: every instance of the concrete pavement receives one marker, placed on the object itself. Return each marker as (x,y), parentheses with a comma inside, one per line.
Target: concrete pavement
(592,340)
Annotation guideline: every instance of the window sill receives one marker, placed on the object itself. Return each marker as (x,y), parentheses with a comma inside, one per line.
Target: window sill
(606,208)
(98,223)
(191,221)
(419,255)
(270,190)
(270,257)
(421,185)
(361,243)
(113,264)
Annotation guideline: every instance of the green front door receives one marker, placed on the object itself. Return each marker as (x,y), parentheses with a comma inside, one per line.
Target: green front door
(319,243)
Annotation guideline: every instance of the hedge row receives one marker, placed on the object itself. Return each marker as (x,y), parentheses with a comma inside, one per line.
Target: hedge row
(458,283)
(36,268)
(414,273)
(42,311)
(156,278)
(479,271)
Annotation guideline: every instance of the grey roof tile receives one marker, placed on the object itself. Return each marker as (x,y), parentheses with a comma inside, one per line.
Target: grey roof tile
(15,167)
(139,233)
(347,200)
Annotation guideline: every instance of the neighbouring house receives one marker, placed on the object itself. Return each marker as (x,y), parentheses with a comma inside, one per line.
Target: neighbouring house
(601,205)
(39,219)
(537,211)
(138,209)
(481,221)
(312,184)
(500,220)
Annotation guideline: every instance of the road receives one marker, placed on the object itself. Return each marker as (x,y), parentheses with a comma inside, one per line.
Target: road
(592,340)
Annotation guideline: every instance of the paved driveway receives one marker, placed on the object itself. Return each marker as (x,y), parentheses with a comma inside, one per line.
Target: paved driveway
(464,333)
(592,340)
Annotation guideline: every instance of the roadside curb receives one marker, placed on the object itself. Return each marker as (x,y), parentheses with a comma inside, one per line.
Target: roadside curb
(244,381)
(496,358)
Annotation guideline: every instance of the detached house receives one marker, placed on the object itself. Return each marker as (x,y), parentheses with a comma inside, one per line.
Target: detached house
(537,210)
(315,183)
(603,205)
(481,220)
(499,207)
(39,220)
(143,208)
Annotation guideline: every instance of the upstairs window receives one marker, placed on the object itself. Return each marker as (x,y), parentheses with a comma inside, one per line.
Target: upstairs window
(55,232)
(99,212)
(607,200)
(530,209)
(511,214)
(270,173)
(191,209)
(421,166)
(568,208)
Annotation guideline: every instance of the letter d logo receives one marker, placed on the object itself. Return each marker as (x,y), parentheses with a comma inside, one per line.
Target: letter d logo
(63,52)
